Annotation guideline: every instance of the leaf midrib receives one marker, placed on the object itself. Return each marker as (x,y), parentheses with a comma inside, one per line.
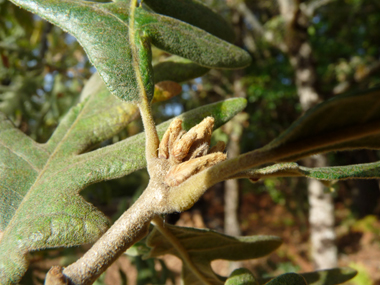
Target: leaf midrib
(58,147)
(21,156)
(135,58)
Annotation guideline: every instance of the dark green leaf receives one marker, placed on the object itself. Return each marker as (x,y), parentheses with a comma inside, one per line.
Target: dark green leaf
(288,279)
(241,276)
(195,13)
(344,122)
(104,30)
(204,245)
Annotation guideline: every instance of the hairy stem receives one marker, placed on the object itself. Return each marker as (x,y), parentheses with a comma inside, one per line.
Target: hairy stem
(159,224)
(152,140)
(127,230)
(151,137)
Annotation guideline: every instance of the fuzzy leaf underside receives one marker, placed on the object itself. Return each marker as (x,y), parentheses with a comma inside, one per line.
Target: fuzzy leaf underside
(84,125)
(48,212)
(203,246)
(332,276)
(187,41)
(347,119)
(195,13)
(103,29)
(356,171)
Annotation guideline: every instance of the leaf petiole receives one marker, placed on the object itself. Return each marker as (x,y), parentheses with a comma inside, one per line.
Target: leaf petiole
(152,140)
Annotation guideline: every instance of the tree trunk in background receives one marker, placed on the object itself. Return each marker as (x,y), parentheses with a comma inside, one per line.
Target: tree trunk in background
(296,14)
(321,213)
(231,204)
(234,128)
(321,219)
(231,188)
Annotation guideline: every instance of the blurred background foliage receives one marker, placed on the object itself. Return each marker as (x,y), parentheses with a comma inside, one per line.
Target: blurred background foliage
(43,70)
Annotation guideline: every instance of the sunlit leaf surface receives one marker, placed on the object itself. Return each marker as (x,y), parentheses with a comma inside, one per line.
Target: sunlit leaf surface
(40,205)
(118,43)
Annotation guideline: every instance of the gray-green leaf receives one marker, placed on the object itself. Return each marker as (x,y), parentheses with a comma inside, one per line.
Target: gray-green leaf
(44,209)
(195,13)
(39,188)
(187,41)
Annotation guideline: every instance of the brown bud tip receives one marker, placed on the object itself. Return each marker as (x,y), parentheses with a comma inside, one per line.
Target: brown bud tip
(174,129)
(179,173)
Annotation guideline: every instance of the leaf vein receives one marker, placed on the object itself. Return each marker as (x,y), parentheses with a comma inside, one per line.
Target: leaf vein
(21,156)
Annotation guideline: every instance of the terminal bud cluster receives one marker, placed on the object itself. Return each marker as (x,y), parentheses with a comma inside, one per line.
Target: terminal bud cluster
(189,152)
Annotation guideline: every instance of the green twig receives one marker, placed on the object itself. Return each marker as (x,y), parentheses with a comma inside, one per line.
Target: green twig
(151,137)
(152,140)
